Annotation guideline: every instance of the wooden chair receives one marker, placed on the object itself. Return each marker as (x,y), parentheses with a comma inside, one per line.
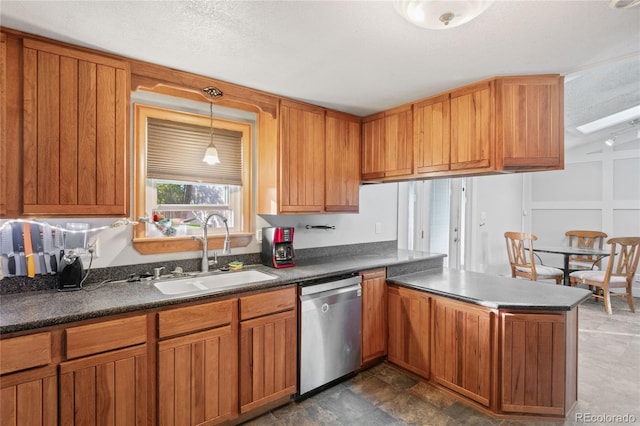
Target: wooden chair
(620,271)
(522,260)
(585,239)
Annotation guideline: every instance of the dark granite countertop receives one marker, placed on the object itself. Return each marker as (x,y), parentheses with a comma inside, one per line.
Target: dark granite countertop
(31,310)
(493,291)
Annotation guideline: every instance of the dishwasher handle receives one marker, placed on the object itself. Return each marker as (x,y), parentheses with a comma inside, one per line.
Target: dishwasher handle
(322,301)
(330,285)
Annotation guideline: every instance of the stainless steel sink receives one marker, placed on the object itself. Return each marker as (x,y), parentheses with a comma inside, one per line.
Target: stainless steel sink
(209,282)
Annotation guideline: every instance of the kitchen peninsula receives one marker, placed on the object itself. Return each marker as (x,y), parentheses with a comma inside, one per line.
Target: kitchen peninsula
(507,346)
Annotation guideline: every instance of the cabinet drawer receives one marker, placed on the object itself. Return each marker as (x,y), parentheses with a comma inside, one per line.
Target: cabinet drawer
(267,303)
(194,318)
(105,336)
(20,353)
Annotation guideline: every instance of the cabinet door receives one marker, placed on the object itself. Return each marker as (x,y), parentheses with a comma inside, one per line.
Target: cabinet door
(10,125)
(472,127)
(432,135)
(409,325)
(373,143)
(30,397)
(398,129)
(75,150)
(342,173)
(374,314)
(530,123)
(110,388)
(197,377)
(3,126)
(534,363)
(462,349)
(268,359)
(302,158)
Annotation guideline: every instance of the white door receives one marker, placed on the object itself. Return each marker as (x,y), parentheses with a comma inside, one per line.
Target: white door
(440,219)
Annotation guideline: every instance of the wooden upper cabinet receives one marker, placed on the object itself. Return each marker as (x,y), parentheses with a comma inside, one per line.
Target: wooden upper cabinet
(373,147)
(530,122)
(501,124)
(431,123)
(399,141)
(472,114)
(342,161)
(387,144)
(308,161)
(75,126)
(3,120)
(302,158)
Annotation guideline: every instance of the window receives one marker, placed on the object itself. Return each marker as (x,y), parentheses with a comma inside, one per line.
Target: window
(172,182)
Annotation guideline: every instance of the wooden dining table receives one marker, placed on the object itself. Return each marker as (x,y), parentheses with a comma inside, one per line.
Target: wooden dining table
(567,252)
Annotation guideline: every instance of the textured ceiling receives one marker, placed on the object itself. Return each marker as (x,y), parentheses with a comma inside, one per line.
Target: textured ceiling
(360,56)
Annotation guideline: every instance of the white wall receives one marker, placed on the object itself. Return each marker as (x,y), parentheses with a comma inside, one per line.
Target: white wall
(599,189)
(378,205)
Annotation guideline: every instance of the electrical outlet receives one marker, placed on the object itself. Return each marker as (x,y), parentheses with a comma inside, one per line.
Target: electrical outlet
(96,248)
(85,253)
(378,228)
(259,235)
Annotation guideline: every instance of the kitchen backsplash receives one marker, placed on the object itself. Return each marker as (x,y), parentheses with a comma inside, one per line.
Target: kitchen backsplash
(21,284)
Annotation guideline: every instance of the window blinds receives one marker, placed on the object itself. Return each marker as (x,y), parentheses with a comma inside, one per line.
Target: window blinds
(175,151)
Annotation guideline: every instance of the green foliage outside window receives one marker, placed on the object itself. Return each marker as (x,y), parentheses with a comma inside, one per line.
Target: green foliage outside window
(174,193)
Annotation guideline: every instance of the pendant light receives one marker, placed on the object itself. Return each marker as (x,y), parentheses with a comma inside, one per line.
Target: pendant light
(211,153)
(440,14)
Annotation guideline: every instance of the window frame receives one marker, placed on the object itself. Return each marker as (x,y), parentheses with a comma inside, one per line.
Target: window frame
(155,245)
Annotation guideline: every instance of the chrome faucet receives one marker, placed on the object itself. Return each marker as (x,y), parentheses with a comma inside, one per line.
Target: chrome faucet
(204,266)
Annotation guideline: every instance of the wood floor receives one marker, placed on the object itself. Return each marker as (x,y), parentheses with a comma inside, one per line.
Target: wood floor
(608,374)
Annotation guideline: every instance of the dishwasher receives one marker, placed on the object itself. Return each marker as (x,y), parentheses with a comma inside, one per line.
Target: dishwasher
(330,330)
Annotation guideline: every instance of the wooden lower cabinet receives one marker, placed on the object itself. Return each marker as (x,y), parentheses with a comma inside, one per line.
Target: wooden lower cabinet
(268,362)
(462,348)
(109,388)
(197,363)
(30,397)
(197,378)
(374,314)
(268,348)
(539,372)
(409,329)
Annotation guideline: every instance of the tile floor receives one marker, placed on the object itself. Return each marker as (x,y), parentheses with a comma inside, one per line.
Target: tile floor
(608,384)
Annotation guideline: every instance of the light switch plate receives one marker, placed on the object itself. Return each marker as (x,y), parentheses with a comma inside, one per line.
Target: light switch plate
(259,235)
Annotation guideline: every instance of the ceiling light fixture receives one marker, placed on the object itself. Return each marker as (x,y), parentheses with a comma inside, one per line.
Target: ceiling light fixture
(610,120)
(211,153)
(623,4)
(633,125)
(440,14)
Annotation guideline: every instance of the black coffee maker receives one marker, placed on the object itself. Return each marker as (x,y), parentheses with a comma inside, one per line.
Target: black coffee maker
(277,247)
(70,271)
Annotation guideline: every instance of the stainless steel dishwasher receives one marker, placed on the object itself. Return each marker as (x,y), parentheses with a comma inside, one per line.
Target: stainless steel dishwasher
(330,330)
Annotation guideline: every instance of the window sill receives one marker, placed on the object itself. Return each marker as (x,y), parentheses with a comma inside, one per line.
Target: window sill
(180,244)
